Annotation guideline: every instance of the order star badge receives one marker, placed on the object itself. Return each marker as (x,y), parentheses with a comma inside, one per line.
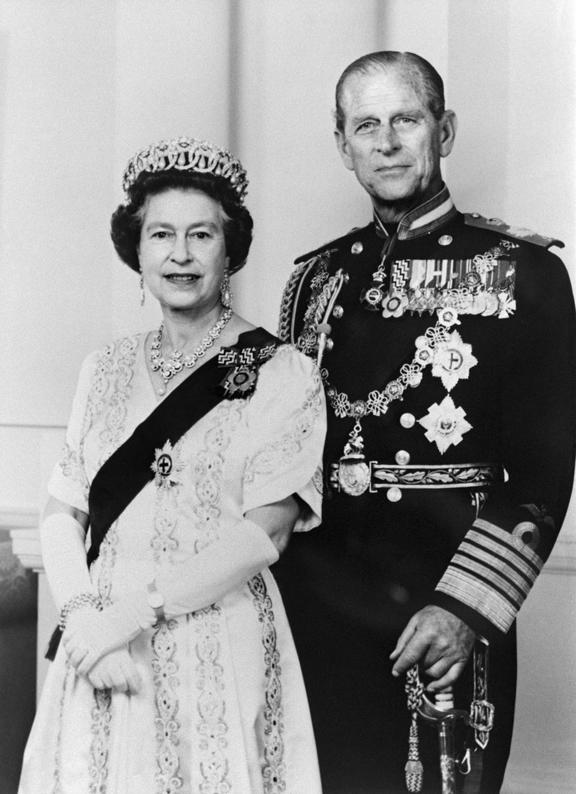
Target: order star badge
(453,360)
(445,424)
(166,466)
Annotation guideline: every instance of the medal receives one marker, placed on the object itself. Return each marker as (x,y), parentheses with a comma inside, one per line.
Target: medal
(445,424)
(452,359)
(372,297)
(353,471)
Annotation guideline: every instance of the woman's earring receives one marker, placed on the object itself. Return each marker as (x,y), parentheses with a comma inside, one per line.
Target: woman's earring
(226,292)
(142,293)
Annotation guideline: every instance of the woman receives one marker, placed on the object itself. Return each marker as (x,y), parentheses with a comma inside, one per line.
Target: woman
(192,452)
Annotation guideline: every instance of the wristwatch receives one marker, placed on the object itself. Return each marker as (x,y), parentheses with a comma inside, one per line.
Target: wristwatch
(156,601)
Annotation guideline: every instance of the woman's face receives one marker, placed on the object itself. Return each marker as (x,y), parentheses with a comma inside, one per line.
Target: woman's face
(182,251)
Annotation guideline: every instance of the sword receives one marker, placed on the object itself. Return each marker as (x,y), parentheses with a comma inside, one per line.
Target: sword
(444,715)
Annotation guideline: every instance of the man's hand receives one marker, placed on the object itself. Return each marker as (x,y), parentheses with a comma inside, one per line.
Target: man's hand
(115,671)
(439,641)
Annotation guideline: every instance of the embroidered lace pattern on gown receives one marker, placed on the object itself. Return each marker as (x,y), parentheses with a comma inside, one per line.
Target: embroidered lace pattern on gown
(57,788)
(281,450)
(165,671)
(208,467)
(101,718)
(273,772)
(108,396)
(211,726)
(72,465)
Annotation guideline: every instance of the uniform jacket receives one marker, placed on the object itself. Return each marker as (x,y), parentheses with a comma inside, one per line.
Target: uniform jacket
(457,358)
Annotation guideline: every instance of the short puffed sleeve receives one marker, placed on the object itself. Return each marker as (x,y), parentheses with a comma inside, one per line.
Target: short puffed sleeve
(69,481)
(286,431)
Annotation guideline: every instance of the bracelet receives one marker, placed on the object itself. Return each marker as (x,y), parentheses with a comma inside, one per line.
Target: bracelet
(77,602)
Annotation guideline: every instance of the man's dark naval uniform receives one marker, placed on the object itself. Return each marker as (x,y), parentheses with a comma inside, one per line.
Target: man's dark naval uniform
(451,339)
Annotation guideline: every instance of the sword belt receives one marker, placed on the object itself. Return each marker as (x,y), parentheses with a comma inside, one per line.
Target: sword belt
(384,476)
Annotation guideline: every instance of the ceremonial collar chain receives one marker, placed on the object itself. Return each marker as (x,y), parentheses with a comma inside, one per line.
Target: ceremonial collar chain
(428,348)
(175,363)
(450,358)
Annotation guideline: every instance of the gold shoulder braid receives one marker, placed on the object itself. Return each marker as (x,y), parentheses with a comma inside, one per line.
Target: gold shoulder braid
(308,340)
(289,300)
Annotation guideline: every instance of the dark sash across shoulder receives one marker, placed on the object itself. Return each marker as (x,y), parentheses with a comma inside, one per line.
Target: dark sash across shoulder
(233,373)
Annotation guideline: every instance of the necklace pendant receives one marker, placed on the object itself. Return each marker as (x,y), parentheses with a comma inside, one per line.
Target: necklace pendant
(353,471)
(353,474)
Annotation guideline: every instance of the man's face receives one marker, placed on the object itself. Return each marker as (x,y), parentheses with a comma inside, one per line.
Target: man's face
(391,140)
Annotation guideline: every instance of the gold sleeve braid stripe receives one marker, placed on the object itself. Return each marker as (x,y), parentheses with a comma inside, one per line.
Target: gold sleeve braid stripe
(492,572)
(288,302)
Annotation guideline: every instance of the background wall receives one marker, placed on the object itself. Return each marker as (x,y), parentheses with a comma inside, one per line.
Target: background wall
(83,85)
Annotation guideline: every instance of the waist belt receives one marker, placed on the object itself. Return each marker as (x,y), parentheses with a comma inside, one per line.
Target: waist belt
(354,477)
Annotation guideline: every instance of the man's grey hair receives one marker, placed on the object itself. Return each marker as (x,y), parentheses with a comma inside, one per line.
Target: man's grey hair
(417,70)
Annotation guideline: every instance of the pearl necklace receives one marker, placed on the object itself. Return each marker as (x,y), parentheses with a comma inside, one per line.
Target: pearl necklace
(176,362)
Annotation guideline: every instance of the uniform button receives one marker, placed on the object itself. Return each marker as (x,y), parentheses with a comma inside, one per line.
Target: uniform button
(407,421)
(394,494)
(338,312)
(357,247)
(445,239)
(402,457)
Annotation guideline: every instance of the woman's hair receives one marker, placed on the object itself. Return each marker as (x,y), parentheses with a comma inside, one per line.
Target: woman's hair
(126,222)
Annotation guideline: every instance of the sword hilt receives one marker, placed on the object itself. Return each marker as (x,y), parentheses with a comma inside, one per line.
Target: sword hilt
(442,710)
(444,715)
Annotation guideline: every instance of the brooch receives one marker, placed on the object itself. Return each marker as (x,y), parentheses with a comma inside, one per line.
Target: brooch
(167,466)
(240,381)
(241,378)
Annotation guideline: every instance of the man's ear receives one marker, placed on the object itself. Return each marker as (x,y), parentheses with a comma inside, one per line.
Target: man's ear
(342,145)
(448,127)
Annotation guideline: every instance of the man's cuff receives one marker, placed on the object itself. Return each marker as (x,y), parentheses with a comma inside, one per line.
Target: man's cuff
(491,573)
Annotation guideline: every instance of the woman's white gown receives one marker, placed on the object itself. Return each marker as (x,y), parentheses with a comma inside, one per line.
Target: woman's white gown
(222,708)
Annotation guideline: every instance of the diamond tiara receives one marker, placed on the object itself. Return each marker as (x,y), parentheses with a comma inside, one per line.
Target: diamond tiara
(187,154)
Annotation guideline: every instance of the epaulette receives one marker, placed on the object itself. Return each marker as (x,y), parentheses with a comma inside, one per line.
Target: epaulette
(332,244)
(518,232)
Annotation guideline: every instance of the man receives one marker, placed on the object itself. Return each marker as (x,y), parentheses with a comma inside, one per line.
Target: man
(446,344)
